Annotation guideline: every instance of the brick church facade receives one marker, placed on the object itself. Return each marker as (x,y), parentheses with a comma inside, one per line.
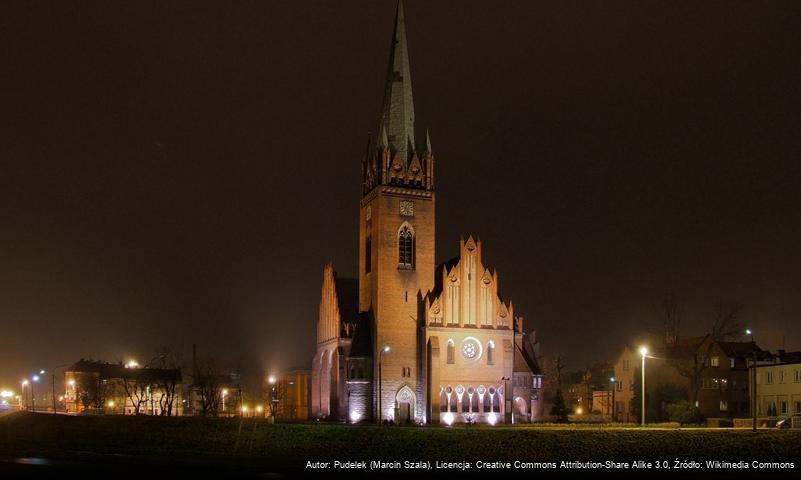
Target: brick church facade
(410,340)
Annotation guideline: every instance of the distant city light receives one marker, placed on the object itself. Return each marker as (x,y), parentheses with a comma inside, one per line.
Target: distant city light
(132,364)
(748,331)
(579,411)
(271,379)
(35,378)
(259,409)
(244,408)
(6,394)
(41,372)
(71,383)
(111,403)
(386,348)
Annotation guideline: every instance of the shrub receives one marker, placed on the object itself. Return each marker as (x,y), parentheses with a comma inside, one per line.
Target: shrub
(683,412)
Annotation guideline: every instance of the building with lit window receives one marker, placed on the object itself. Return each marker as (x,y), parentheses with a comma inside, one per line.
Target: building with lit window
(779,385)
(411,340)
(714,373)
(118,389)
(292,395)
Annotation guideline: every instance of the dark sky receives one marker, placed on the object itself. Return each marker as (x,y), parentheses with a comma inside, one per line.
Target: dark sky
(179,172)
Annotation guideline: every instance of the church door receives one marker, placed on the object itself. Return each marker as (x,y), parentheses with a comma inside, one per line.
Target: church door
(405,413)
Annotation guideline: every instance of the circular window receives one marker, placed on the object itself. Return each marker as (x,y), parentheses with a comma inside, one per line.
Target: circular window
(471,349)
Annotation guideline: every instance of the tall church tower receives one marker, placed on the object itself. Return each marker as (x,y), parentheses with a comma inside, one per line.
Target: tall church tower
(396,241)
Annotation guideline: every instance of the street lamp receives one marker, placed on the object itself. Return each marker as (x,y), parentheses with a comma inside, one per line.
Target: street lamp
(643,352)
(380,354)
(273,399)
(612,382)
(748,331)
(224,394)
(34,379)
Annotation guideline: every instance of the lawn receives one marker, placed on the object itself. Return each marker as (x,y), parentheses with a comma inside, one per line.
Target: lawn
(290,446)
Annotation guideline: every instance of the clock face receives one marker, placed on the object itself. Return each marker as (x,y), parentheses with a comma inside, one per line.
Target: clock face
(407,208)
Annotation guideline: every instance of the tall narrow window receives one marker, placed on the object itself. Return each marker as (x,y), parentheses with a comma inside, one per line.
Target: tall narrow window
(368,254)
(491,353)
(450,351)
(405,248)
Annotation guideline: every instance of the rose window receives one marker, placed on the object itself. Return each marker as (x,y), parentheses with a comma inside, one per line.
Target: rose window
(471,349)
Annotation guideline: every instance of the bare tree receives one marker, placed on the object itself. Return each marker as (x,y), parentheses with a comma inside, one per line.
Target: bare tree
(137,388)
(90,390)
(207,384)
(166,379)
(693,363)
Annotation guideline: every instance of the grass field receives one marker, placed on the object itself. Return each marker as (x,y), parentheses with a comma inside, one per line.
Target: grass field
(290,446)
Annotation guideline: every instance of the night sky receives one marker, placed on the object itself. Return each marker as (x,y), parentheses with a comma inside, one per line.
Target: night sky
(179,172)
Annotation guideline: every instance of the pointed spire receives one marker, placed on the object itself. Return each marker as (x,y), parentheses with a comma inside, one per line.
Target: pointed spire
(383,142)
(397,116)
(428,143)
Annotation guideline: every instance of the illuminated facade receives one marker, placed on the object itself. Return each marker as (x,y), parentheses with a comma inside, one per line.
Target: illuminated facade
(117,389)
(443,344)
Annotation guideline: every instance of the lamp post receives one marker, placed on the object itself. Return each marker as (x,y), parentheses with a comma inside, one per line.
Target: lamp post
(612,382)
(34,379)
(380,407)
(273,399)
(53,385)
(224,394)
(754,380)
(643,352)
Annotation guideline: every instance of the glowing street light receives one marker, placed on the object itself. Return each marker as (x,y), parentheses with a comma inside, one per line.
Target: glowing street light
(644,353)
(224,394)
(753,381)
(132,364)
(380,354)
(613,410)
(34,379)
(273,398)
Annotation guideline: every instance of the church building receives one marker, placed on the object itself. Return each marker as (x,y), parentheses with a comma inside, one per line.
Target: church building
(410,340)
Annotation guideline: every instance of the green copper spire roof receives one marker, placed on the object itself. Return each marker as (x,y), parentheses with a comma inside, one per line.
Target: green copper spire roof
(397,116)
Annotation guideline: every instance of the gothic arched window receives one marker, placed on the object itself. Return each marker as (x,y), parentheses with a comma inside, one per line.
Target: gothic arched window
(406,248)
(491,353)
(451,349)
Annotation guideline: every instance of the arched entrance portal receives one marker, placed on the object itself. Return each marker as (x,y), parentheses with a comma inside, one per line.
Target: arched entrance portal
(404,405)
